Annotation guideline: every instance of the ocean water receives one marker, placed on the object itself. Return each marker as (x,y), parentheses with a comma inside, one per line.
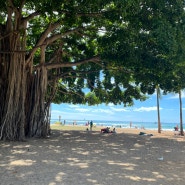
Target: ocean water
(120,124)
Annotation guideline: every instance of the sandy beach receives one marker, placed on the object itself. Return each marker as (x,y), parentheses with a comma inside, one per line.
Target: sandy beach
(74,156)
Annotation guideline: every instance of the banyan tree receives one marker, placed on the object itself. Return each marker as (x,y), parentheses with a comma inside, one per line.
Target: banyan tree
(46,47)
(50,51)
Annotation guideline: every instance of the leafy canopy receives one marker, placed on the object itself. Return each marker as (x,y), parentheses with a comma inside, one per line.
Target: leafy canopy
(102,51)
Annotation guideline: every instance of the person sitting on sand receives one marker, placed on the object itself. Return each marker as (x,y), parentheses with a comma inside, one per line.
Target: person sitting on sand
(105,130)
(113,131)
(176,128)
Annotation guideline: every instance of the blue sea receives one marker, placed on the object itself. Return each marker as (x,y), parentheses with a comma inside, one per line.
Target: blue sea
(120,124)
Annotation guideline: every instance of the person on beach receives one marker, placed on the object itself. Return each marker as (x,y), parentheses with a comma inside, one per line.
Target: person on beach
(87,124)
(91,125)
(130,124)
(176,128)
(113,131)
(105,130)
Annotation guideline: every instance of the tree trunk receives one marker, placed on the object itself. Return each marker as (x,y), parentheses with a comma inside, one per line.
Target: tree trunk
(12,94)
(23,111)
(158,111)
(37,110)
(181,122)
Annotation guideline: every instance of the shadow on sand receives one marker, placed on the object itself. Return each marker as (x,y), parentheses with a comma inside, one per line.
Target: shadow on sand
(92,158)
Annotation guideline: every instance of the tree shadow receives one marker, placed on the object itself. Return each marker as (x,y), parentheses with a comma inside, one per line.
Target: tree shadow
(92,158)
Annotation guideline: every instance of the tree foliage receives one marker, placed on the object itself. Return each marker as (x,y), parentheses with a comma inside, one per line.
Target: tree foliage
(150,45)
(49,51)
(81,52)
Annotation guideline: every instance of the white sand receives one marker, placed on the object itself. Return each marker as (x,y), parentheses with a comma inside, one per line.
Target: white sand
(92,158)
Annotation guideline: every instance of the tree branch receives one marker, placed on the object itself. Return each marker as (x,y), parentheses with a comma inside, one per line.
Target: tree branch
(29,17)
(48,66)
(58,36)
(22,4)
(44,35)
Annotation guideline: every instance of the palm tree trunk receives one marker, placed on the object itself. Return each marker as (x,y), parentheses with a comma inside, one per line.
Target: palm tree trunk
(181,123)
(158,111)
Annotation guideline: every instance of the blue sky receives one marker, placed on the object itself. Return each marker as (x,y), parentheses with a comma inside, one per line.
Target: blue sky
(141,111)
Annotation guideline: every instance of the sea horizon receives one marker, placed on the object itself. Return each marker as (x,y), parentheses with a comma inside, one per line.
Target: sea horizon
(119,124)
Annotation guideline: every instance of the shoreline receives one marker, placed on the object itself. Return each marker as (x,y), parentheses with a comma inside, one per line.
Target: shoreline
(170,134)
(111,126)
(120,124)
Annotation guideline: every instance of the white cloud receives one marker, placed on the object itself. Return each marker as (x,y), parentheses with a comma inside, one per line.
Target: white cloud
(110,104)
(56,112)
(82,110)
(176,96)
(119,109)
(73,106)
(145,109)
(103,111)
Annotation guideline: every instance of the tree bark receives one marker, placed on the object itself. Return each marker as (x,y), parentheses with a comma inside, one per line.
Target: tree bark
(181,122)
(158,112)
(23,111)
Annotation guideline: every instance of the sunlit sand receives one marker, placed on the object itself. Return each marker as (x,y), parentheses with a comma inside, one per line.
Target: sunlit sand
(73,155)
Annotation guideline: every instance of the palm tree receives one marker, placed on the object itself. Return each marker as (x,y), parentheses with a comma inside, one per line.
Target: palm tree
(181,123)
(158,111)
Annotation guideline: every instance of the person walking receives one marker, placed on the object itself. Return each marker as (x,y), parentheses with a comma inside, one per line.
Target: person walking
(91,125)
